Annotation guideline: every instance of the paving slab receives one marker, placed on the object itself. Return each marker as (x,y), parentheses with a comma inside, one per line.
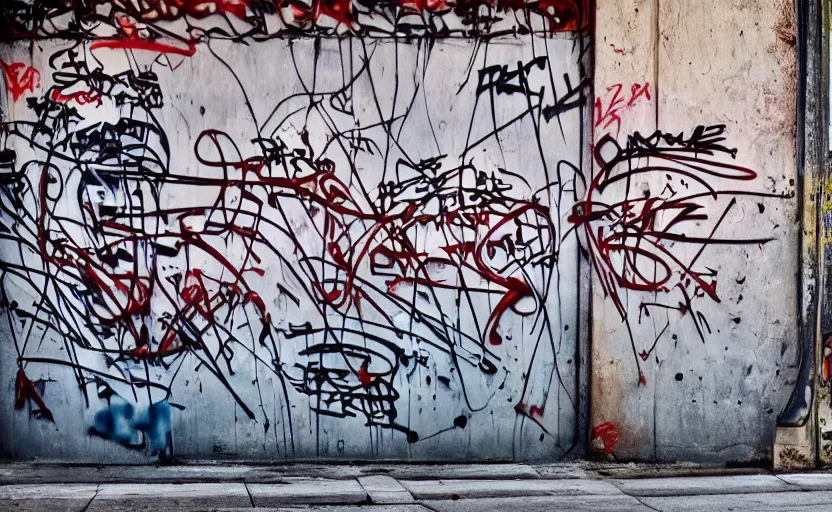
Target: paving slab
(561,471)
(809,481)
(620,503)
(67,473)
(46,498)
(159,496)
(38,491)
(157,506)
(316,491)
(664,469)
(458,471)
(460,489)
(384,489)
(26,473)
(794,501)
(691,486)
(331,508)
(44,505)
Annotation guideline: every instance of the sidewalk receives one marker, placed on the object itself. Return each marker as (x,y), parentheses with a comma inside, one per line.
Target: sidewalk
(407,488)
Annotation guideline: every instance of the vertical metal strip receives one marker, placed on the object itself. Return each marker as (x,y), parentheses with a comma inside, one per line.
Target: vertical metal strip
(796,443)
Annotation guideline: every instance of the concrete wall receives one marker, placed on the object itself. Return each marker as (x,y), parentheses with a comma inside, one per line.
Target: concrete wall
(704,376)
(316,241)
(351,230)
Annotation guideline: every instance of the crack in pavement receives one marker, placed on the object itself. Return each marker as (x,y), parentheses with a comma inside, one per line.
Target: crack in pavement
(250,497)
(97,488)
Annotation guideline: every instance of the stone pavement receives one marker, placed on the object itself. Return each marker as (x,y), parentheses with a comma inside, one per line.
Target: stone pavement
(407,488)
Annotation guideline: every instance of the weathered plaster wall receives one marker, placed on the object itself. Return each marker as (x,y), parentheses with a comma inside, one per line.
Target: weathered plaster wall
(712,386)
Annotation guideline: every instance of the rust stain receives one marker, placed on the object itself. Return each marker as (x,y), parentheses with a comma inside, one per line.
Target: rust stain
(794,459)
(783,46)
(786,25)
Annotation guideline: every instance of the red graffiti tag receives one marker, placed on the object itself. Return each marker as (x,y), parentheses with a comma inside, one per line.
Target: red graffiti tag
(827,359)
(607,437)
(170,10)
(142,44)
(24,390)
(424,5)
(20,78)
(608,109)
(365,377)
(80,97)
(339,10)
